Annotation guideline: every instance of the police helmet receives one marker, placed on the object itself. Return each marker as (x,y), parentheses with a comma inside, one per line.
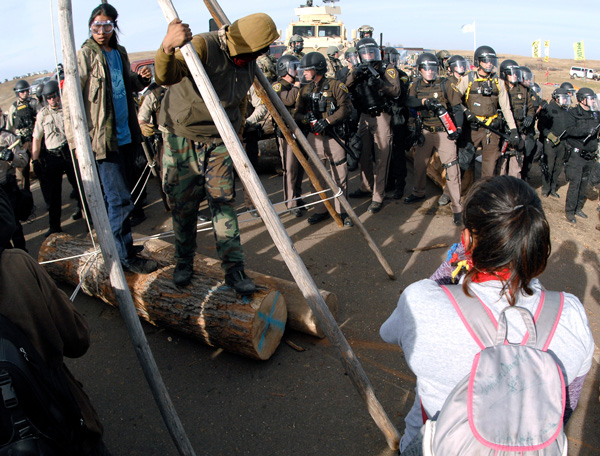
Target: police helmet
(510,71)
(331,50)
(527,77)
(365,31)
(314,61)
(569,87)
(429,64)
(287,64)
(368,50)
(442,56)
(589,96)
(50,88)
(39,90)
(21,86)
(562,96)
(458,64)
(391,55)
(485,57)
(351,55)
(297,43)
(585,92)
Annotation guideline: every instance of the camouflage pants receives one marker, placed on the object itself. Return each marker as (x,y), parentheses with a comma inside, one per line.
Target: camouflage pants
(192,172)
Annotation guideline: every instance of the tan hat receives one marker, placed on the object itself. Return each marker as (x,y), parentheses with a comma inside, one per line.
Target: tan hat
(250,34)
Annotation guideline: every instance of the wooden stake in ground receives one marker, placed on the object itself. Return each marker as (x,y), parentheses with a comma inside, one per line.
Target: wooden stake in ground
(95,201)
(280,237)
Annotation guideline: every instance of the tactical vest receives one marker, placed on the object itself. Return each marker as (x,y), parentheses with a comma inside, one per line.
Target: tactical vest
(183,110)
(437,90)
(24,119)
(322,103)
(482,95)
(518,102)
(367,99)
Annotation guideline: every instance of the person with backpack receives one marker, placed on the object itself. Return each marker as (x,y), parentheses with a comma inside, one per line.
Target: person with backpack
(55,415)
(506,242)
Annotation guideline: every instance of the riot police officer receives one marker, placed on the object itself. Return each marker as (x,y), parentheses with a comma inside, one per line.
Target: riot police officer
(456,67)
(288,87)
(483,93)
(55,160)
(432,96)
(374,85)
(296,44)
(511,160)
(552,125)
(321,108)
(21,119)
(582,150)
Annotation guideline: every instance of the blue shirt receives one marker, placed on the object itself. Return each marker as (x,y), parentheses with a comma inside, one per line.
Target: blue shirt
(115,67)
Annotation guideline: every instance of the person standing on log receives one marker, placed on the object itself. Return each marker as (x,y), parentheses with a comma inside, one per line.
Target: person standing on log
(107,85)
(196,163)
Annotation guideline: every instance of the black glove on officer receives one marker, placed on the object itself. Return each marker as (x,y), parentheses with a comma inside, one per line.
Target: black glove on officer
(527,121)
(514,137)
(431,104)
(454,136)
(320,126)
(470,116)
(38,168)
(7,155)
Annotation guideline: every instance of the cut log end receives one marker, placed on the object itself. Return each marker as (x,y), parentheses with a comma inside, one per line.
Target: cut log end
(269,324)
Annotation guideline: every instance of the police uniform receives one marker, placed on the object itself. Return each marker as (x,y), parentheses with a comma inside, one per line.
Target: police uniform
(582,156)
(8,180)
(338,108)
(511,161)
(373,98)
(55,160)
(552,124)
(293,173)
(483,96)
(333,66)
(21,119)
(436,137)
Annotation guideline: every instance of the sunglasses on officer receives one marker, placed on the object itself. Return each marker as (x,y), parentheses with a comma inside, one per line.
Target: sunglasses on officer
(105,26)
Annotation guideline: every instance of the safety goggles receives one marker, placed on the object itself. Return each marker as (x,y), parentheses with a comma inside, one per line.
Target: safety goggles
(105,26)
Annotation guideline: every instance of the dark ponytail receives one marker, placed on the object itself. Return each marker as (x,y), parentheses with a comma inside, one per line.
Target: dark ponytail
(505,216)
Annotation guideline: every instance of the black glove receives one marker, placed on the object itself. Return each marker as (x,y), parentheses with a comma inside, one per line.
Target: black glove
(514,138)
(454,136)
(320,126)
(308,118)
(470,116)
(527,121)
(7,155)
(374,82)
(38,168)
(431,104)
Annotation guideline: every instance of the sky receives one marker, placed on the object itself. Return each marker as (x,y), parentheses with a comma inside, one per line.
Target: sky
(511,28)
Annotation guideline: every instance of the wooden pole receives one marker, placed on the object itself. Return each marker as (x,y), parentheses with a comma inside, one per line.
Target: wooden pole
(93,194)
(281,239)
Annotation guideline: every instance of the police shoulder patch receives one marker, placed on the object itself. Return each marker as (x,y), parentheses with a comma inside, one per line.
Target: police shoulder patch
(277,87)
(343,87)
(404,79)
(391,73)
(454,87)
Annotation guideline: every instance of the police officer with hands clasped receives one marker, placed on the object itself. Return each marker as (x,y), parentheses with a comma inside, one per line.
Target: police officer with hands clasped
(322,107)
(483,93)
(433,96)
(582,150)
(374,85)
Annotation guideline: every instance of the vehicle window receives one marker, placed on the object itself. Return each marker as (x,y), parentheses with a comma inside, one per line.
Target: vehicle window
(329,30)
(304,30)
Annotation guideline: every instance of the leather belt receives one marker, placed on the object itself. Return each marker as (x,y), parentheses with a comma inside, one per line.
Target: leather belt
(434,129)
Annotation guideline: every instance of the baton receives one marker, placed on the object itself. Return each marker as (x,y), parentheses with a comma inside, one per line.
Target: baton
(493,130)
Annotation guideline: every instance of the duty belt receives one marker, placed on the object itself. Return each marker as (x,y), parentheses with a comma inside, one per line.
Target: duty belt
(61,151)
(434,129)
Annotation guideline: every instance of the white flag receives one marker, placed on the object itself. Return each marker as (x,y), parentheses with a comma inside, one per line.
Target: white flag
(468,28)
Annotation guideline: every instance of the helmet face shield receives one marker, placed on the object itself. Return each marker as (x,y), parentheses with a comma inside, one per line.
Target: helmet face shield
(429,70)
(563,100)
(488,63)
(527,78)
(293,68)
(369,54)
(352,57)
(459,66)
(513,75)
(592,102)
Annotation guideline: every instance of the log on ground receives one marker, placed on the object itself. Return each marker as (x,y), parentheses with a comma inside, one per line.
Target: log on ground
(206,310)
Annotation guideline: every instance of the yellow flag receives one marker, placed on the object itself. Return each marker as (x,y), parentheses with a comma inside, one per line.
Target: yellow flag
(579,51)
(536,52)
(546,51)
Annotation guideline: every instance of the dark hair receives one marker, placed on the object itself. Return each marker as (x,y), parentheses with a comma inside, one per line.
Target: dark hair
(505,216)
(110,11)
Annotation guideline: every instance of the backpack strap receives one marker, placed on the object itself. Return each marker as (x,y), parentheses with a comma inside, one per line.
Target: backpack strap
(546,318)
(475,315)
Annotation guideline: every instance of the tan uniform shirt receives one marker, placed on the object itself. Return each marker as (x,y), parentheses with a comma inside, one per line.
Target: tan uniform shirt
(49,124)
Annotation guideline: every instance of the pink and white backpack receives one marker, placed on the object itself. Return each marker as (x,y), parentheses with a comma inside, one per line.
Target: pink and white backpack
(513,400)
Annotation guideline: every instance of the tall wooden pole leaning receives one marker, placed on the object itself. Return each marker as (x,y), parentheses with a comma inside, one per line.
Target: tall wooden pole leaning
(293,135)
(281,239)
(93,194)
